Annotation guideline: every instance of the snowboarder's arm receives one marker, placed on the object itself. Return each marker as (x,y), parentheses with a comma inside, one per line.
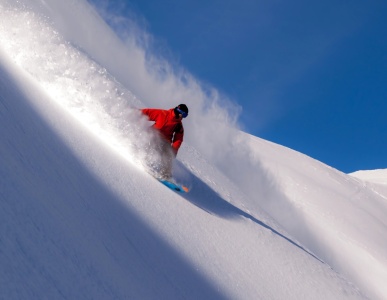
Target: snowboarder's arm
(152,113)
(177,140)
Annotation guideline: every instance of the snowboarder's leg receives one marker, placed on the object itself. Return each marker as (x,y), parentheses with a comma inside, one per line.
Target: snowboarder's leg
(166,161)
(158,159)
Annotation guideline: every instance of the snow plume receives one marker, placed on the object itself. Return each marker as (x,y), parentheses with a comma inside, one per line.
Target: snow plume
(161,82)
(56,52)
(63,49)
(212,126)
(77,83)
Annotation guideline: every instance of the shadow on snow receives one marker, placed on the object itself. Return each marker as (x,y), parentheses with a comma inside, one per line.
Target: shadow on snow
(214,204)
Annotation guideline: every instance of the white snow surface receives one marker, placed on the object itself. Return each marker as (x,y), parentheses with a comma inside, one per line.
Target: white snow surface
(375,176)
(81,219)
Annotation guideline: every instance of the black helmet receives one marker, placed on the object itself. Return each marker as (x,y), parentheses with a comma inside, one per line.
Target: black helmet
(181,109)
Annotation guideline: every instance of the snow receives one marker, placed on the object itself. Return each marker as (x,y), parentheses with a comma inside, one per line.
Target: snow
(375,176)
(81,219)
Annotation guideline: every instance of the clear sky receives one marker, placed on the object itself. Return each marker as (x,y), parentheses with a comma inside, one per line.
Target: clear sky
(309,75)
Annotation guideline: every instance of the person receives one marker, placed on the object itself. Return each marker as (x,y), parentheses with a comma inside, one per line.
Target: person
(170,127)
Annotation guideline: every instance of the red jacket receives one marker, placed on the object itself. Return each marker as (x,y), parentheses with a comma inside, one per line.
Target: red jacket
(169,126)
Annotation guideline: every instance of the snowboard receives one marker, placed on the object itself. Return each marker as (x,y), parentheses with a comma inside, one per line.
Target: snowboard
(174,186)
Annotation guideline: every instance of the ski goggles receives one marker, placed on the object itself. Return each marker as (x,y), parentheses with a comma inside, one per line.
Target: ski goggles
(183,113)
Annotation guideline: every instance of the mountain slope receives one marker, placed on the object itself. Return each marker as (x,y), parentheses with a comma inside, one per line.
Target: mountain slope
(341,219)
(66,232)
(81,219)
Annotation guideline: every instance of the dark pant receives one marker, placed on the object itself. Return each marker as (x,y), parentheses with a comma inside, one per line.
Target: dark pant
(159,158)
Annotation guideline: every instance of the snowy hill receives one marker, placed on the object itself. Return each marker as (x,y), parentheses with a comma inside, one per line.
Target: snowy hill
(375,176)
(80,218)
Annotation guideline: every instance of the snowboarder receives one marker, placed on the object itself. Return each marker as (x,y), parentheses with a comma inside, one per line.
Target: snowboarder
(169,124)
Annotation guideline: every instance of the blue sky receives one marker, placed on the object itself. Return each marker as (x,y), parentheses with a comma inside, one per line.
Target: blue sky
(309,75)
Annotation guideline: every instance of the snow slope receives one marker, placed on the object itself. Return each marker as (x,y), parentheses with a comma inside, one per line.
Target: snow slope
(80,218)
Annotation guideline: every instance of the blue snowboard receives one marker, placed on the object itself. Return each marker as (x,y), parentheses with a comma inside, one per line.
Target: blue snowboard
(174,186)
